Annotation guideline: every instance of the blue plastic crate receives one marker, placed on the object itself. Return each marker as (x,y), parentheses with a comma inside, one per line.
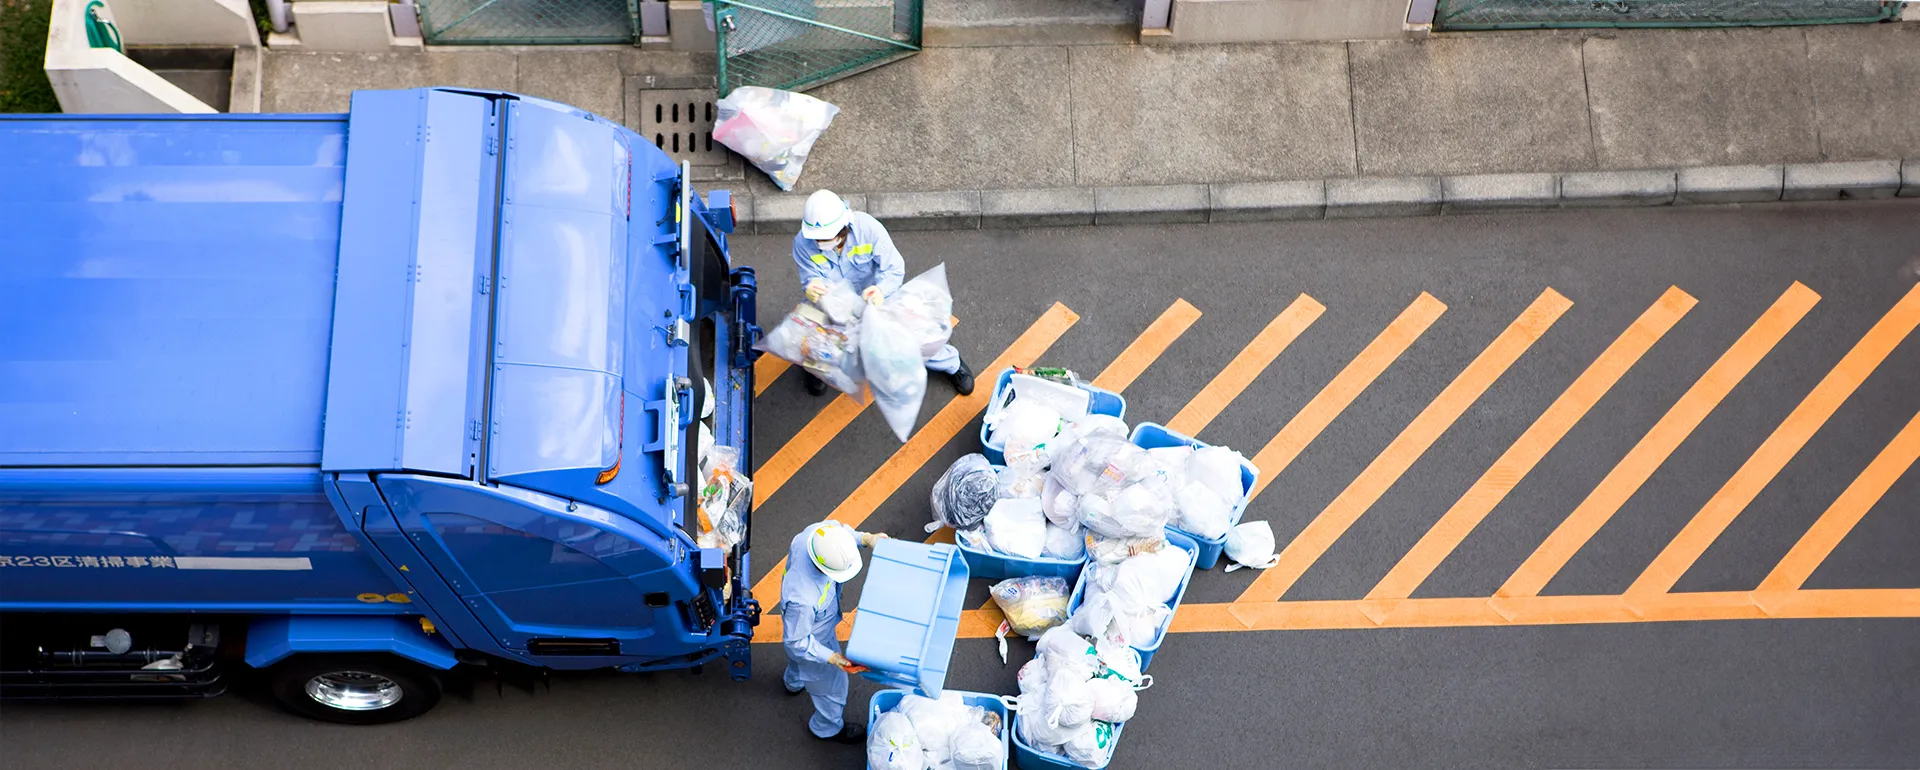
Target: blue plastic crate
(1174,537)
(1148,435)
(888,700)
(909,614)
(1029,758)
(1100,402)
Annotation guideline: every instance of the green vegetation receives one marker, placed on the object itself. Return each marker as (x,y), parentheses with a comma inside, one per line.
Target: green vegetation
(260,18)
(23,52)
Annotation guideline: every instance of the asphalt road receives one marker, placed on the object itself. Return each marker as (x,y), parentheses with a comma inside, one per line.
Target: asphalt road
(1541,693)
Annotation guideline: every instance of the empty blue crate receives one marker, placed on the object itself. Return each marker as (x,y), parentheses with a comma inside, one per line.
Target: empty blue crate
(1177,539)
(1149,435)
(909,614)
(1098,402)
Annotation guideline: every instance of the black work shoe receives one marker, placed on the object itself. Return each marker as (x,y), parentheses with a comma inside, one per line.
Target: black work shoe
(816,386)
(791,693)
(962,379)
(852,735)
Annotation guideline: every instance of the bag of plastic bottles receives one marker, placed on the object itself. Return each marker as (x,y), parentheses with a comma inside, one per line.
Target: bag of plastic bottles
(726,495)
(964,494)
(773,129)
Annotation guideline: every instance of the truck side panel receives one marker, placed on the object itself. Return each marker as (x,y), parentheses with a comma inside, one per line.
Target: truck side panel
(202,540)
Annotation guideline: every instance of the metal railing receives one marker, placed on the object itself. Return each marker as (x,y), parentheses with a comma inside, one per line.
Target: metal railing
(798,44)
(1536,14)
(527,22)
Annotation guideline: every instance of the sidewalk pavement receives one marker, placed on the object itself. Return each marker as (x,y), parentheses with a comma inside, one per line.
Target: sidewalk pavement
(1077,127)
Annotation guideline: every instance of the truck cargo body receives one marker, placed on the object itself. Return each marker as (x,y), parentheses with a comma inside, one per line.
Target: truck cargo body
(423,380)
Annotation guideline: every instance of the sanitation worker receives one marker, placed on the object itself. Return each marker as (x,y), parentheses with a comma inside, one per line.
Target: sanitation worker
(822,557)
(836,243)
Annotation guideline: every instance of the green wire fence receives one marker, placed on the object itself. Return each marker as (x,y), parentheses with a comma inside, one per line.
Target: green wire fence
(1535,14)
(798,44)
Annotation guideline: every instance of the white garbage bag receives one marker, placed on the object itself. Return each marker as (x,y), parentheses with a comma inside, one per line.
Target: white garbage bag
(1061,505)
(1217,468)
(1139,509)
(1202,512)
(1092,747)
(808,338)
(1155,575)
(1066,651)
(773,129)
(1017,528)
(1100,464)
(1112,550)
(893,339)
(893,745)
(1038,734)
(1172,461)
(924,306)
(1251,545)
(1067,543)
(1113,699)
(975,747)
(935,722)
(1118,661)
(1091,426)
(1032,677)
(1024,477)
(1067,701)
(1024,426)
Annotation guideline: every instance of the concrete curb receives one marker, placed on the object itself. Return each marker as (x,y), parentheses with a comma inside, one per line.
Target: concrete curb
(1355,197)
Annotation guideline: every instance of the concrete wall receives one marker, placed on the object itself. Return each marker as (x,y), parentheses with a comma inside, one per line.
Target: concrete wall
(185,22)
(1253,21)
(101,80)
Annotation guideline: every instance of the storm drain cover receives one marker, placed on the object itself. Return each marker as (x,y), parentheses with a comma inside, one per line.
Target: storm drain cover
(680,123)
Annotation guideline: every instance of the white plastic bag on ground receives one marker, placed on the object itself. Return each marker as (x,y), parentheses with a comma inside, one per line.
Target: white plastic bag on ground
(964,494)
(1064,542)
(1202,512)
(1251,545)
(809,339)
(1092,747)
(893,745)
(1113,699)
(935,722)
(1217,468)
(773,129)
(1017,528)
(891,340)
(975,747)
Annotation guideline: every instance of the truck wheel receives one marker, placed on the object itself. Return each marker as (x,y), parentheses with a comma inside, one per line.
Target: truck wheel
(355,689)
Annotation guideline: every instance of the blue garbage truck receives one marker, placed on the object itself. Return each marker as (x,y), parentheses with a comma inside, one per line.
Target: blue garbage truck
(352,400)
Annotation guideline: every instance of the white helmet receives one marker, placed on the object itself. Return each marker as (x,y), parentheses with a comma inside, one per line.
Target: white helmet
(835,551)
(824,215)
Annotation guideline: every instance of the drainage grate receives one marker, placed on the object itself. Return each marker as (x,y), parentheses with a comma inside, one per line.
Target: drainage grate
(680,122)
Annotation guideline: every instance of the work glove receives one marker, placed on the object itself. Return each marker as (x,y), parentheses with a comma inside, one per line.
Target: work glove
(868,539)
(873,296)
(816,289)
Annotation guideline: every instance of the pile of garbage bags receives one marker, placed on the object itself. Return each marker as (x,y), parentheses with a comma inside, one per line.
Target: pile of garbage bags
(946,733)
(847,344)
(1075,694)
(773,129)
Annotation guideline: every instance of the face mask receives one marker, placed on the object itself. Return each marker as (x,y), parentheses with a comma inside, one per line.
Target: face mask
(830,245)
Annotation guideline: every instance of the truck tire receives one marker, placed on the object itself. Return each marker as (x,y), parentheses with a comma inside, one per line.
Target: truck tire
(355,689)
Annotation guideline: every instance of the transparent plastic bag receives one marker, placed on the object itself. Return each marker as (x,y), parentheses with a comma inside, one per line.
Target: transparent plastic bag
(893,745)
(726,495)
(976,747)
(1024,427)
(1202,512)
(964,494)
(935,722)
(1021,478)
(1017,528)
(1064,542)
(1032,604)
(808,338)
(773,129)
(893,338)
(1217,468)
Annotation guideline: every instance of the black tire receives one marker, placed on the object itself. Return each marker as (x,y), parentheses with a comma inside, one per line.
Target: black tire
(418,687)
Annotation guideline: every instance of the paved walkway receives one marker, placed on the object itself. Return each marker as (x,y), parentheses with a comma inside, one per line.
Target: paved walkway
(1023,117)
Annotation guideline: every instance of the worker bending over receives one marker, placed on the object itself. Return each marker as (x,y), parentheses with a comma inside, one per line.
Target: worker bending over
(822,557)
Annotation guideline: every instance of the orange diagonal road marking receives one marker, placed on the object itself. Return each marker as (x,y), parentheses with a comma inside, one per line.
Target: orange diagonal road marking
(1527,451)
(1846,511)
(1247,366)
(1659,442)
(1344,388)
(1786,441)
(944,425)
(1146,348)
(1413,441)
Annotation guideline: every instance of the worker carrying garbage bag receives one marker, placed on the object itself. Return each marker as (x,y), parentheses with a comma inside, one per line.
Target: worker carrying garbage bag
(822,557)
(838,244)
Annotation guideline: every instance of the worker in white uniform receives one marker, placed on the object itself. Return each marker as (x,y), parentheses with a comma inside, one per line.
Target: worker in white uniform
(822,557)
(838,244)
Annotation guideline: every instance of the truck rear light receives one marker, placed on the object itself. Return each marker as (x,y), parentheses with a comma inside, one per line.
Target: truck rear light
(621,452)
